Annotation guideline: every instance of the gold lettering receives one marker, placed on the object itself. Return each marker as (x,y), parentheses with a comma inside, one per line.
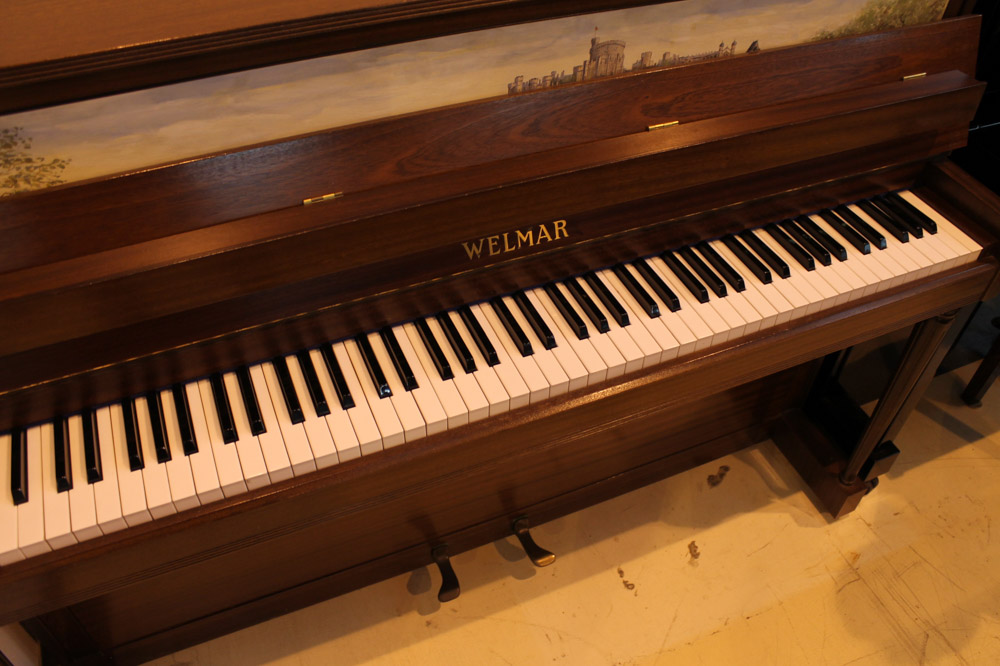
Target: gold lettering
(494,242)
(506,243)
(474,249)
(543,233)
(528,236)
(561,229)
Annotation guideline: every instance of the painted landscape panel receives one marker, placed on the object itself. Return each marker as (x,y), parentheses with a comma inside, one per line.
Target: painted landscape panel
(138,130)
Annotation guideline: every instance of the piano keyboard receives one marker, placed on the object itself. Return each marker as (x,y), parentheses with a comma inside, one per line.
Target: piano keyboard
(153,455)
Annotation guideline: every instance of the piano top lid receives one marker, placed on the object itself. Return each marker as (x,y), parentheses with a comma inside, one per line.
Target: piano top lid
(55,52)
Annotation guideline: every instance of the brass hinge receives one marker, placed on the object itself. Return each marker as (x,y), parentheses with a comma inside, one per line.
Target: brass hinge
(662,125)
(915,76)
(325,197)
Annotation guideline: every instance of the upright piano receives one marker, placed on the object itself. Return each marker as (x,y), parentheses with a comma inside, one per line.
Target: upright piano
(240,384)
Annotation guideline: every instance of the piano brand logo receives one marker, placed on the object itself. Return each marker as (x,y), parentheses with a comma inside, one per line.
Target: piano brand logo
(509,241)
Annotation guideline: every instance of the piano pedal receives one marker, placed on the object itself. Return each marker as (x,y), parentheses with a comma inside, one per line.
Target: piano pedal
(450,588)
(538,555)
(878,462)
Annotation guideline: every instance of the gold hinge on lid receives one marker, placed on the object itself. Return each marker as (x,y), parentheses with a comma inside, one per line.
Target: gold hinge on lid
(915,76)
(325,197)
(662,125)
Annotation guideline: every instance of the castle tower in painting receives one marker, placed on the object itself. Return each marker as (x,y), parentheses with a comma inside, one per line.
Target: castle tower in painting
(606,58)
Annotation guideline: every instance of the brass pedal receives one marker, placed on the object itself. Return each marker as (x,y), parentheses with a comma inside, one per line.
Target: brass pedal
(538,555)
(450,588)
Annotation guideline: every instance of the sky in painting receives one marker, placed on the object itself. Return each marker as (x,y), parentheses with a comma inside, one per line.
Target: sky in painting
(145,128)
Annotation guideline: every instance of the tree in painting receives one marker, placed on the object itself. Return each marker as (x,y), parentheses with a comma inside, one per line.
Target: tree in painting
(21,171)
(887,14)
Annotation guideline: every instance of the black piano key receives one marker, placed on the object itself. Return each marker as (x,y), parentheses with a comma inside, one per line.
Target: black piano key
(91,448)
(312,384)
(916,215)
(375,372)
(690,282)
(160,445)
(657,284)
(434,349)
(399,362)
(457,342)
(615,309)
(63,461)
(846,231)
(884,221)
(873,235)
(807,242)
(588,305)
(902,220)
(18,466)
(479,335)
(288,388)
(572,317)
(337,376)
(514,329)
(753,264)
(713,281)
(826,240)
(535,320)
(223,409)
(729,273)
(189,444)
(250,404)
(791,247)
(638,292)
(135,460)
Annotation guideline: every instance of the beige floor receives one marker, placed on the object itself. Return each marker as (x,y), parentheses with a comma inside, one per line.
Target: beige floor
(686,572)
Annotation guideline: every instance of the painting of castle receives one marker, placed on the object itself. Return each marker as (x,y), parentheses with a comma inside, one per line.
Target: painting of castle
(607,58)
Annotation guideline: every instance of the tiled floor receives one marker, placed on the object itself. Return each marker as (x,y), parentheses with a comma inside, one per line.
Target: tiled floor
(691,570)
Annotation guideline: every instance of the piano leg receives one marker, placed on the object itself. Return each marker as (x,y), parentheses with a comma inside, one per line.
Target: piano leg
(823,462)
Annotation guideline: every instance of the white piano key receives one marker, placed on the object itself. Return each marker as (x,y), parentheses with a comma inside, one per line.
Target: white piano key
(517,389)
(721,306)
(654,326)
(563,352)
(130,483)
(382,408)
(492,387)
(9,552)
(817,292)
(703,321)
(596,368)
(769,314)
(207,429)
(526,366)
(179,473)
(468,386)
(972,248)
(433,412)
(203,469)
(634,357)
(31,514)
(345,439)
(361,415)
(107,501)
(284,445)
(914,264)
(324,451)
(402,402)
(154,474)
(82,508)
(555,376)
(446,390)
(609,353)
(248,446)
(866,269)
(687,342)
(58,530)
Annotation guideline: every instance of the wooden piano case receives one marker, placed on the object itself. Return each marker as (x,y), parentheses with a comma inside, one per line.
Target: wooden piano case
(230,268)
